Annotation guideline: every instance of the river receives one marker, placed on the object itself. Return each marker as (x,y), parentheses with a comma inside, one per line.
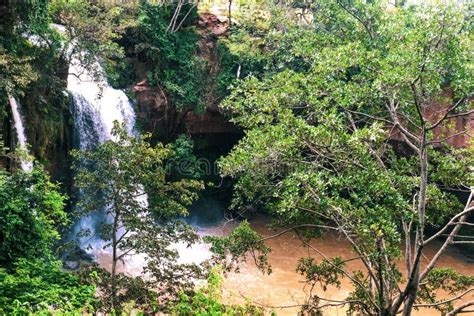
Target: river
(284,286)
(283,291)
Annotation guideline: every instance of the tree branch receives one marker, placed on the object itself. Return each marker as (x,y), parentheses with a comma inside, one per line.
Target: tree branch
(459,309)
(451,222)
(296,227)
(364,23)
(450,238)
(445,116)
(442,140)
(457,297)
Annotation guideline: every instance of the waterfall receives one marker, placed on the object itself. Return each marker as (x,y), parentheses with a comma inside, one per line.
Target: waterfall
(95,107)
(20,132)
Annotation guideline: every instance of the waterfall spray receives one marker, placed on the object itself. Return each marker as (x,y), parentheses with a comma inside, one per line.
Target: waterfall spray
(20,132)
(96,105)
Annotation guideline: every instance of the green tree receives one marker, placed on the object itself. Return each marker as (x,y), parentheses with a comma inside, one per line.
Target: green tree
(184,162)
(173,52)
(21,20)
(115,178)
(357,143)
(40,286)
(208,300)
(18,18)
(90,31)
(31,279)
(32,213)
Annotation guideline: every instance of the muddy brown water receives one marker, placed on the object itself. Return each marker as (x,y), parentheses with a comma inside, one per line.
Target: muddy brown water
(283,291)
(284,287)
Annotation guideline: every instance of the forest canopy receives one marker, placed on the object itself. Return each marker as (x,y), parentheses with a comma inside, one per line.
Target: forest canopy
(350,119)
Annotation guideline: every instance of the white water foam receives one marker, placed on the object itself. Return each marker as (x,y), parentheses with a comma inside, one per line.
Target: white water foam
(96,105)
(20,132)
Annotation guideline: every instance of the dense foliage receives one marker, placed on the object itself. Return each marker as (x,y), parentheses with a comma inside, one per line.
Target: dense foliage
(340,137)
(115,178)
(40,286)
(31,279)
(175,66)
(17,18)
(354,116)
(32,212)
(35,56)
(208,301)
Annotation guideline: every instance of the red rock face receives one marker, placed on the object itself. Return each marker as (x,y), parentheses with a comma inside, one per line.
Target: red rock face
(151,108)
(158,116)
(455,131)
(216,25)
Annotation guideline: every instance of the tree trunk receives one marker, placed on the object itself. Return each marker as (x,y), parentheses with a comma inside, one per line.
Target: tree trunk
(413,293)
(423,184)
(230,13)
(113,274)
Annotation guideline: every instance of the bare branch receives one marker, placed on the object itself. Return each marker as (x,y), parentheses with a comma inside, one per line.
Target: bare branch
(457,297)
(460,236)
(442,140)
(449,240)
(126,253)
(460,308)
(364,23)
(184,18)
(461,114)
(175,16)
(296,227)
(445,116)
(417,101)
(408,137)
(463,223)
(376,118)
(451,222)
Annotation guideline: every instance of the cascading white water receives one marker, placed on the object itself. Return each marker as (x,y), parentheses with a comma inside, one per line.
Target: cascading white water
(20,132)
(96,105)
